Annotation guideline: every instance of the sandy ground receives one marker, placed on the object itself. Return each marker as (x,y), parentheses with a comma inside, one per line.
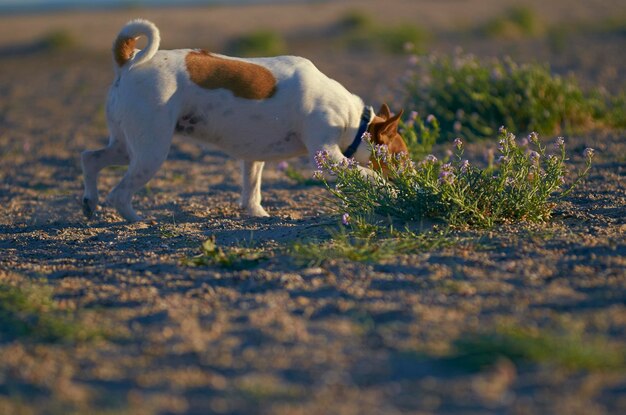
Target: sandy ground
(285,337)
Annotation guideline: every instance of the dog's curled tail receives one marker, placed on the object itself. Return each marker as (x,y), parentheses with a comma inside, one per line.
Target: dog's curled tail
(124,45)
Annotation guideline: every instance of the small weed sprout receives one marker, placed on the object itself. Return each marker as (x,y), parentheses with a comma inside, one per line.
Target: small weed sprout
(524,184)
(232,258)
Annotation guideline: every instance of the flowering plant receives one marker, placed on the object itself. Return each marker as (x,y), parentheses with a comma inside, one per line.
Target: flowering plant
(523,185)
(472,97)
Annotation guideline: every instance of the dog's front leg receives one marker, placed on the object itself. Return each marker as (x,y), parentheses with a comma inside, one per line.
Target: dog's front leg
(251,191)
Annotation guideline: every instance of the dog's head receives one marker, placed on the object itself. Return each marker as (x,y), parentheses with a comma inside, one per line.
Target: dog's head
(384,130)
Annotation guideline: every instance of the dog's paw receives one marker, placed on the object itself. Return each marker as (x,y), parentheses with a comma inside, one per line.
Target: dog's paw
(89,207)
(257,212)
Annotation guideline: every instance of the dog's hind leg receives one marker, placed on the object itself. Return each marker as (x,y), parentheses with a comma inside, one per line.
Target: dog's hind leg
(251,189)
(93,161)
(148,151)
(143,166)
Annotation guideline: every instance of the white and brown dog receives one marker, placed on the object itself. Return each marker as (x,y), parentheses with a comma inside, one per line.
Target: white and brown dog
(253,109)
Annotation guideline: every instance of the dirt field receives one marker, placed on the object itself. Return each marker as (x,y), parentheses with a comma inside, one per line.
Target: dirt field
(285,337)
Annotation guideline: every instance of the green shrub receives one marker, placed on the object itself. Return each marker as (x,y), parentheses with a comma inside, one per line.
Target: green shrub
(361,32)
(418,135)
(397,39)
(29,311)
(57,40)
(355,20)
(472,99)
(524,185)
(259,43)
(517,22)
(524,345)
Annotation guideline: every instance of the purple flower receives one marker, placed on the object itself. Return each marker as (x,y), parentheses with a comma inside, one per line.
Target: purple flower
(431,158)
(348,163)
(431,118)
(367,137)
(321,159)
(534,157)
(446,176)
(534,137)
(413,60)
(501,145)
(282,166)
(458,143)
(511,139)
(318,175)
(345,219)
(413,115)
(381,152)
(588,153)
(465,164)
(559,143)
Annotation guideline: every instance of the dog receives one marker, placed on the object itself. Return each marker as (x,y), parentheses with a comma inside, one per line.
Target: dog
(255,110)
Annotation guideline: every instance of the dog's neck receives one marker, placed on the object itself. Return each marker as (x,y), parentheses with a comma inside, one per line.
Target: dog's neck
(366,118)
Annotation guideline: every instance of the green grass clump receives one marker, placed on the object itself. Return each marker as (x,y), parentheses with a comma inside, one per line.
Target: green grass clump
(524,345)
(259,43)
(366,245)
(515,23)
(524,185)
(29,311)
(300,178)
(58,40)
(236,258)
(361,32)
(355,20)
(473,99)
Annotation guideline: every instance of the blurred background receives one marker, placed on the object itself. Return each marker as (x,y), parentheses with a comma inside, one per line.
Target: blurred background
(365,44)
(55,69)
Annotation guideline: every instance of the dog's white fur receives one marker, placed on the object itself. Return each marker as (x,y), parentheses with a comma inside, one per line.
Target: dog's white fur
(309,112)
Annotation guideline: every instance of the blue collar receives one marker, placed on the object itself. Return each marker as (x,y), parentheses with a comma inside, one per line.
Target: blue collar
(365,121)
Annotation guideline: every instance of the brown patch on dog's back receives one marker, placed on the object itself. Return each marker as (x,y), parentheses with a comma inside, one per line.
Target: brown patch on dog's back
(124,49)
(243,79)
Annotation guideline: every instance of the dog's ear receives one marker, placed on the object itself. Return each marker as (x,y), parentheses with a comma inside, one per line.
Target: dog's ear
(391,124)
(384,130)
(384,112)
